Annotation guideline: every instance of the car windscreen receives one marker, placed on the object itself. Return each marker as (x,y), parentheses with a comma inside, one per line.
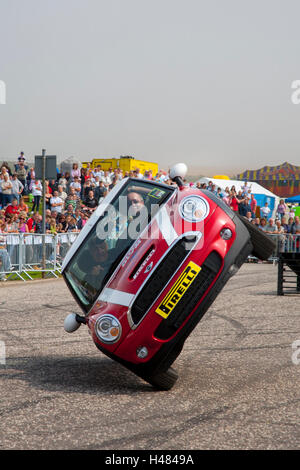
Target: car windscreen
(110,238)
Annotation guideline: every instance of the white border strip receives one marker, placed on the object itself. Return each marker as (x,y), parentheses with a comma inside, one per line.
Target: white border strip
(92,221)
(165,226)
(116,297)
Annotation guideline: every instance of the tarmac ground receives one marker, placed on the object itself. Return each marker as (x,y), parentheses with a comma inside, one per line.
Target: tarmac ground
(238,386)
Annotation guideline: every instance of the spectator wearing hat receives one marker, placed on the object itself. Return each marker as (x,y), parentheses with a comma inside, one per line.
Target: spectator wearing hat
(21,157)
(21,174)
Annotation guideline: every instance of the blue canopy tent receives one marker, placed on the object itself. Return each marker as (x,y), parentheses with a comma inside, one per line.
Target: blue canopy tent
(293,199)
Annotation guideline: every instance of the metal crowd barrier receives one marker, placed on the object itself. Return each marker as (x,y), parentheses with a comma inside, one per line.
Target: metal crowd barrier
(285,243)
(21,254)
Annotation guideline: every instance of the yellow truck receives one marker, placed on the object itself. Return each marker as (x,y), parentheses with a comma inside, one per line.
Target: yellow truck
(124,163)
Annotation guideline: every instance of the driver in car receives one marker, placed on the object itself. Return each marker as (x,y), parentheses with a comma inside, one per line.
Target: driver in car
(94,263)
(135,203)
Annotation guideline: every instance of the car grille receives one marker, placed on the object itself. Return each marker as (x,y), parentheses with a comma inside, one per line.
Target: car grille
(188,302)
(161,277)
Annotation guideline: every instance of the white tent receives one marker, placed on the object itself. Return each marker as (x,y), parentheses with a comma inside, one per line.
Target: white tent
(262,195)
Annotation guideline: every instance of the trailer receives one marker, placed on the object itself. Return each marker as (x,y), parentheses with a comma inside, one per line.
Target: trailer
(125,163)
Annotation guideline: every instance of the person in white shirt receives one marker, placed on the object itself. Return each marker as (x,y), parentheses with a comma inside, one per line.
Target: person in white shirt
(98,171)
(106,179)
(6,187)
(56,203)
(265,211)
(110,172)
(61,193)
(36,190)
(139,174)
(76,185)
(246,189)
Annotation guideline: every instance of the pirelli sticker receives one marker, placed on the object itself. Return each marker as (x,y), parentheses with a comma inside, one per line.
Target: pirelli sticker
(178,290)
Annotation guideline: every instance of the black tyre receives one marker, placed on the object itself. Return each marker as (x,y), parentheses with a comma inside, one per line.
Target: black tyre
(263,246)
(163,380)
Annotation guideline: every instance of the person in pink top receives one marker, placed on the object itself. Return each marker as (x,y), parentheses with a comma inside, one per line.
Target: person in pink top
(22,226)
(75,171)
(253,205)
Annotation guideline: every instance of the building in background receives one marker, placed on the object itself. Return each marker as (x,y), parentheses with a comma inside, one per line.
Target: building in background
(283,180)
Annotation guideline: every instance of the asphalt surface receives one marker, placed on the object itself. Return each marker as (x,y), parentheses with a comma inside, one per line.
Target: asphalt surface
(238,387)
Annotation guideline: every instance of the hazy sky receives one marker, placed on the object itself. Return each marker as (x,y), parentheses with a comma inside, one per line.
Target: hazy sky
(204,82)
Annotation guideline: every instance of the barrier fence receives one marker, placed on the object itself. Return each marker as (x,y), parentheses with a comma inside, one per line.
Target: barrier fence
(22,254)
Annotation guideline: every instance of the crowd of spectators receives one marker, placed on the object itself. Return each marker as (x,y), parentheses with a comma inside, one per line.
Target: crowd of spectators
(243,201)
(72,197)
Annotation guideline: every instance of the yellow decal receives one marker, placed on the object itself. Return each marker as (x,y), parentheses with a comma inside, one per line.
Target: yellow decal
(178,290)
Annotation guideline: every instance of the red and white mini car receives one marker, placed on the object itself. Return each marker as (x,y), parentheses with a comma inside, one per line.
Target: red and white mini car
(147,266)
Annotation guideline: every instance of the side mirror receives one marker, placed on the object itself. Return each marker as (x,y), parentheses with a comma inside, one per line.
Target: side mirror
(71,324)
(177,173)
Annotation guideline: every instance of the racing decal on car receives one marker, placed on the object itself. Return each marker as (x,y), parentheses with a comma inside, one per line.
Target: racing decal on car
(131,252)
(165,226)
(115,296)
(144,264)
(157,193)
(178,290)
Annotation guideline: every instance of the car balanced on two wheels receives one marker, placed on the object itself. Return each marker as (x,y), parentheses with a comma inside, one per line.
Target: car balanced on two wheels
(148,265)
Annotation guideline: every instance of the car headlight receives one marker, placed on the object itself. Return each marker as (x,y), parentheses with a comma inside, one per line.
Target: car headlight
(194,208)
(108,329)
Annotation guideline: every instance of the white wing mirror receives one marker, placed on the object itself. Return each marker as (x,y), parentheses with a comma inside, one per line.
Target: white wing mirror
(70,323)
(177,173)
(180,169)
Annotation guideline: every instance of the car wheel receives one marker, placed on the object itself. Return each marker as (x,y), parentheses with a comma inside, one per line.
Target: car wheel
(163,380)
(263,246)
